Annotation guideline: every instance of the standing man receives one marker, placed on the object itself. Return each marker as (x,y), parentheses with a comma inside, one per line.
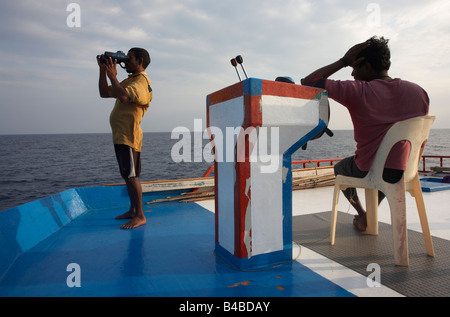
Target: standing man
(133,96)
(375,102)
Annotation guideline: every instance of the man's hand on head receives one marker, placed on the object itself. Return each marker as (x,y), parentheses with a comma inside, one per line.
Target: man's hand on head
(350,58)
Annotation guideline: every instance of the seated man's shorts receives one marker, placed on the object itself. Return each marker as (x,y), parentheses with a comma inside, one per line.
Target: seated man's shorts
(129,161)
(347,167)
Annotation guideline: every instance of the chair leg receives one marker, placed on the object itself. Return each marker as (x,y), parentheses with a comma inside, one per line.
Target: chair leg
(399,227)
(372,211)
(417,192)
(334,210)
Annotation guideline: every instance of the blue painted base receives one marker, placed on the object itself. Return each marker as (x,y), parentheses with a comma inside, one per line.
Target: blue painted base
(172,255)
(258,262)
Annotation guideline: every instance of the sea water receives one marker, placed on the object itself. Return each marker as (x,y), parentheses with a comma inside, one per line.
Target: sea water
(36,166)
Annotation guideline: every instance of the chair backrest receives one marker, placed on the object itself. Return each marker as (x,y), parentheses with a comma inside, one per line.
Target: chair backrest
(416,131)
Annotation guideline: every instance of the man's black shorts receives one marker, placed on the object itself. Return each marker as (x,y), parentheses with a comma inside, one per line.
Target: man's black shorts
(129,161)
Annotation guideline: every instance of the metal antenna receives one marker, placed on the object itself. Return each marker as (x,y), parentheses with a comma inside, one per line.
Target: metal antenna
(240,60)
(234,63)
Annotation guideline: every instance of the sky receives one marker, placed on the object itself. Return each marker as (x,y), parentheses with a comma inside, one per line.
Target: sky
(49,72)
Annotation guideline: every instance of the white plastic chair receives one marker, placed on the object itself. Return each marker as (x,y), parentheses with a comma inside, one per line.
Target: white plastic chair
(416,131)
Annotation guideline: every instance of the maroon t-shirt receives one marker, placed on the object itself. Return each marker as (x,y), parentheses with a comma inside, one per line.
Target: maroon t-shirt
(374,107)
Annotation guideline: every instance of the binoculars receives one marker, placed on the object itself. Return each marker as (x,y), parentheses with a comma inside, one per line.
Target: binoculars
(119,56)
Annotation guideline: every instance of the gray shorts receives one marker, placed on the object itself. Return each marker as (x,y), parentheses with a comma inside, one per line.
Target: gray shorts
(347,167)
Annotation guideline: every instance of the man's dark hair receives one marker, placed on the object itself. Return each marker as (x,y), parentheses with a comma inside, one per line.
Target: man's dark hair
(141,53)
(377,53)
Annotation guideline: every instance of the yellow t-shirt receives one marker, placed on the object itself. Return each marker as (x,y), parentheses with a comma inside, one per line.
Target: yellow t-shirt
(125,118)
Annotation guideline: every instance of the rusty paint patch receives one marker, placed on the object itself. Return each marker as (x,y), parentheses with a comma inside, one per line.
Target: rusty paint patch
(240,283)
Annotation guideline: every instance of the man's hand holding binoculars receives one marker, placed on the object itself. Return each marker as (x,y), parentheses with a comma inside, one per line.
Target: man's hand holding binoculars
(109,66)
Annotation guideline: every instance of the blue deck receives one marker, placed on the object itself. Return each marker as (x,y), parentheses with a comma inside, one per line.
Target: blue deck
(433,184)
(172,255)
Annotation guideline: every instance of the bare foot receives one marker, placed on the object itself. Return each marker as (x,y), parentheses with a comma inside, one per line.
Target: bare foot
(134,223)
(127,215)
(360,222)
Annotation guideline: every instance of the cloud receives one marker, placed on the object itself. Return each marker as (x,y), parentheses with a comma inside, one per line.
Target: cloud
(191,43)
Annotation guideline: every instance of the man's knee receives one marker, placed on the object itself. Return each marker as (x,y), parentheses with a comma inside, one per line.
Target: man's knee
(132,180)
(337,169)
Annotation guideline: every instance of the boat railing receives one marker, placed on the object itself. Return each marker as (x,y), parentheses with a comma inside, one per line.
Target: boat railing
(433,158)
(330,162)
(327,163)
(305,163)
(430,159)
(315,166)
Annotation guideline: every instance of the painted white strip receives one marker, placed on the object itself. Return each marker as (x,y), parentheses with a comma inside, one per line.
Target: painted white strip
(287,111)
(228,114)
(346,278)
(267,211)
(177,184)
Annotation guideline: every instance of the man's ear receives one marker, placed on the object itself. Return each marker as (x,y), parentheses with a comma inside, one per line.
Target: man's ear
(368,69)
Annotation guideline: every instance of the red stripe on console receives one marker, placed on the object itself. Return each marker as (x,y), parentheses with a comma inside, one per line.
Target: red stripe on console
(234,91)
(289,90)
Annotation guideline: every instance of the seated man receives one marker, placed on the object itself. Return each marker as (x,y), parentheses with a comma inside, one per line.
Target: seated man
(375,102)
